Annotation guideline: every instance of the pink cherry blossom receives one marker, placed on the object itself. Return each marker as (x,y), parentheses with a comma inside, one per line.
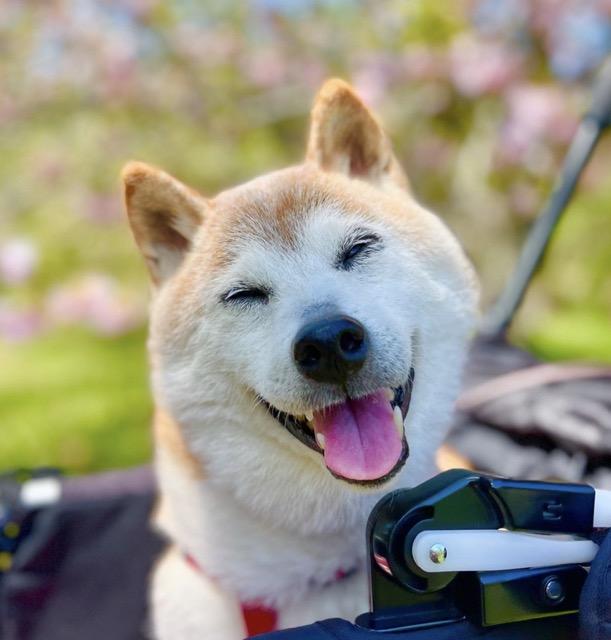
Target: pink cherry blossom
(49,167)
(93,300)
(18,260)
(536,113)
(19,323)
(100,207)
(370,85)
(479,66)
(265,67)
(432,152)
(424,63)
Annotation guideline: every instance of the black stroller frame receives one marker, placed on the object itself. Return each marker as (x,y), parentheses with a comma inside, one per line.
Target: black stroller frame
(404,596)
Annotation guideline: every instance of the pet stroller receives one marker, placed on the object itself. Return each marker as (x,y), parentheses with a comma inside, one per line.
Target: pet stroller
(75,553)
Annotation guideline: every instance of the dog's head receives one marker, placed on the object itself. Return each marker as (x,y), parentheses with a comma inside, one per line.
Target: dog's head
(308,314)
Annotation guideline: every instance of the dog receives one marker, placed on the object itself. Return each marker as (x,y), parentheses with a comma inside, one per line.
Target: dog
(307,334)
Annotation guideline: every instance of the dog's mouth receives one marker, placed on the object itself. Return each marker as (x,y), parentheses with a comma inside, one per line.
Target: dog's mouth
(362,439)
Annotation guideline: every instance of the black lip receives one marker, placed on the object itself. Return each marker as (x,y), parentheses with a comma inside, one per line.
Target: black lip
(299,429)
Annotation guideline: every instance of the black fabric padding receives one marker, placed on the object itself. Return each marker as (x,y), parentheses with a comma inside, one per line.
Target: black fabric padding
(561,628)
(557,430)
(82,572)
(595,603)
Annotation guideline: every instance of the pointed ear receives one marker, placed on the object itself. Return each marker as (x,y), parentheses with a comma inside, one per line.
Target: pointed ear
(346,137)
(164,216)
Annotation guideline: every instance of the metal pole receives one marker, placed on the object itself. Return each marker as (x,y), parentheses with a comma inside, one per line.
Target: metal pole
(497,321)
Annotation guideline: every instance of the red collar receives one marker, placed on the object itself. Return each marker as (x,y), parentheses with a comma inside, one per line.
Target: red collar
(257,617)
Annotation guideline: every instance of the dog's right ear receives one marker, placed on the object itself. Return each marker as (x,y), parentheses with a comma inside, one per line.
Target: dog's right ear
(164,216)
(345,137)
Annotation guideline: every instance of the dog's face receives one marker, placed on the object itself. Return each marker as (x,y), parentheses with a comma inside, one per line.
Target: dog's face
(307,315)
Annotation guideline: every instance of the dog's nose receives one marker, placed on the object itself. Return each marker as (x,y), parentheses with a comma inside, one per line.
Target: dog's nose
(331,350)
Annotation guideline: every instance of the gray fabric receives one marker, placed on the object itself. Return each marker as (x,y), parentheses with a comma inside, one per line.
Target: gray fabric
(548,430)
(81,571)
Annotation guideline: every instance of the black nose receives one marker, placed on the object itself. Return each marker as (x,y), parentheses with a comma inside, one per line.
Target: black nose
(331,350)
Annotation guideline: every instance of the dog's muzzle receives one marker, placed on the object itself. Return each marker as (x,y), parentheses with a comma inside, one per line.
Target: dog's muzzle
(331,429)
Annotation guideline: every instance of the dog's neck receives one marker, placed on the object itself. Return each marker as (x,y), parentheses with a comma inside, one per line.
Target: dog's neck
(280,487)
(251,549)
(249,554)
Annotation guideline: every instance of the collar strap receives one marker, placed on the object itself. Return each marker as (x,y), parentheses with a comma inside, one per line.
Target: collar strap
(259,618)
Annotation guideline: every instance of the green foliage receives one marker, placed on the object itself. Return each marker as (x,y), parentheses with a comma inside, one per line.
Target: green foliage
(75,400)
(579,334)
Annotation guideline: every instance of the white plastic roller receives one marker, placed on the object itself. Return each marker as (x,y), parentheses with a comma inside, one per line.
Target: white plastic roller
(496,550)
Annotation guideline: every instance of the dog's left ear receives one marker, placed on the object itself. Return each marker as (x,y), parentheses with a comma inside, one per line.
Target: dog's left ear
(164,215)
(347,138)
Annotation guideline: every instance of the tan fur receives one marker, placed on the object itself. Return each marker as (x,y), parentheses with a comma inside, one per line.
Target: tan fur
(162,212)
(346,137)
(251,212)
(169,437)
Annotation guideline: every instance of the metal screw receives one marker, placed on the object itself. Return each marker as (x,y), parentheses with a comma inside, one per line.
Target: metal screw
(553,590)
(438,553)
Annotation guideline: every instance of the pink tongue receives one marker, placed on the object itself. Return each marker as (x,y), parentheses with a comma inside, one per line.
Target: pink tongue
(361,440)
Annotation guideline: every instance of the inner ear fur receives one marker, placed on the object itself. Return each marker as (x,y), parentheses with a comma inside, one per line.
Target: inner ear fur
(164,216)
(347,138)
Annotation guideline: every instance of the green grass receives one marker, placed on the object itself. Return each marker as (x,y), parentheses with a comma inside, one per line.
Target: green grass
(75,400)
(566,315)
(577,334)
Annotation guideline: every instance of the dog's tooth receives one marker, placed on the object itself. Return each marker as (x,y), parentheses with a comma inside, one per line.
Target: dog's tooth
(398,419)
(320,440)
(390,394)
(309,415)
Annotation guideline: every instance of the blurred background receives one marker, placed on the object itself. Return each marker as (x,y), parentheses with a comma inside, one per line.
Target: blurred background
(480,98)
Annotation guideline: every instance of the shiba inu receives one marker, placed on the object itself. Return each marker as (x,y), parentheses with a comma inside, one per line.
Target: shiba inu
(306,339)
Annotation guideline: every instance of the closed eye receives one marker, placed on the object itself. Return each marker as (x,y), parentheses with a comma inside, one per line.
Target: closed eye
(356,248)
(246,295)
